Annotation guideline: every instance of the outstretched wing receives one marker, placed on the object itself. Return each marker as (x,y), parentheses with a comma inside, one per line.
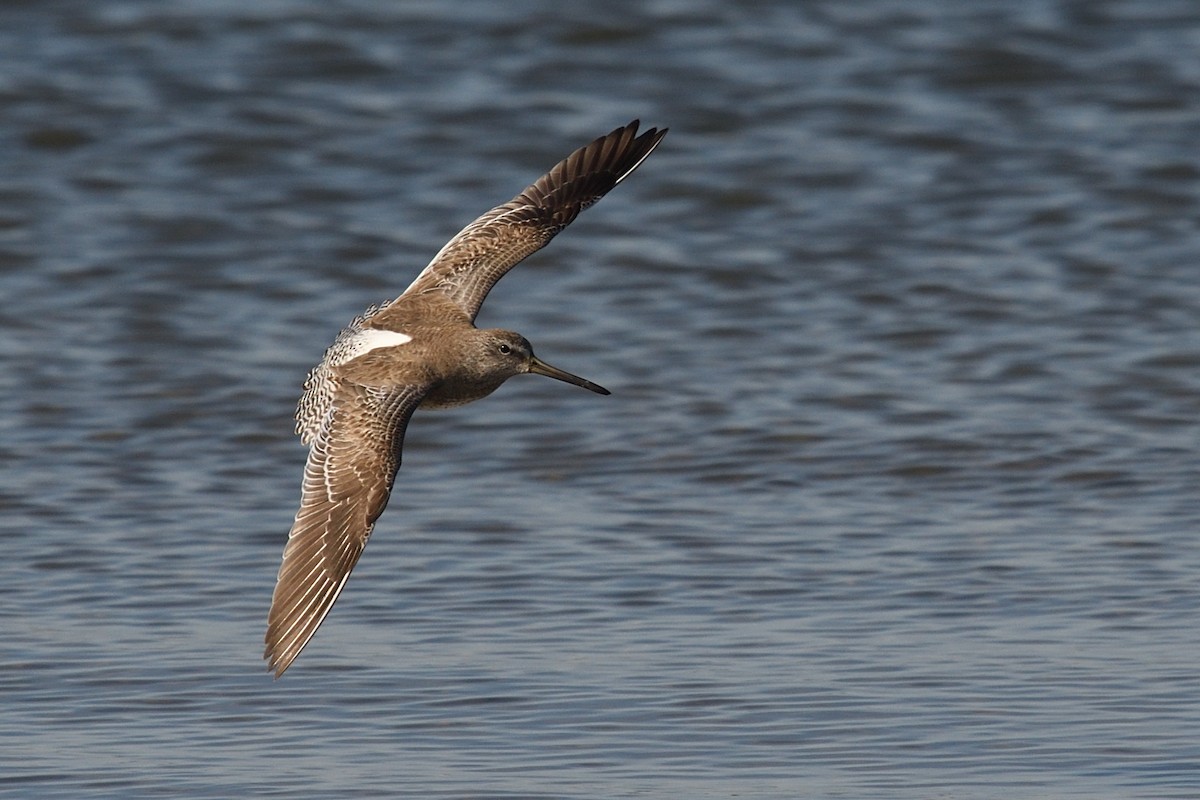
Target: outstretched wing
(469,265)
(352,462)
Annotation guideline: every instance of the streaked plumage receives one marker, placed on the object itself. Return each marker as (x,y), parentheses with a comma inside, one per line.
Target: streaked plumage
(421,349)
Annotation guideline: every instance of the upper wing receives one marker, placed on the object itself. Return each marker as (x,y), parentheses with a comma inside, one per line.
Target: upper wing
(352,463)
(469,265)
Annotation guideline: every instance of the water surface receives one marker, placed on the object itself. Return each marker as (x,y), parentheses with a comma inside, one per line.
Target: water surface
(895,495)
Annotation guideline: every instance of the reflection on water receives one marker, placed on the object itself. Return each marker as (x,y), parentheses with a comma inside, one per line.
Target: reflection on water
(895,495)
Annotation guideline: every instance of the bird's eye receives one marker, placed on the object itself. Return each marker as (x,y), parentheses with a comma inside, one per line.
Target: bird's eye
(505,349)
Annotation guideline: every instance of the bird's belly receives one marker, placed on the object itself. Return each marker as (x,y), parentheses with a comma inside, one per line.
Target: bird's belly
(449,395)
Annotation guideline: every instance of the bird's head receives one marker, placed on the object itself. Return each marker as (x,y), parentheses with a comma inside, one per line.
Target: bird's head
(507,353)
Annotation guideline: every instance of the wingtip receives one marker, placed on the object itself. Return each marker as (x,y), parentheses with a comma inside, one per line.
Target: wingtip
(631,129)
(633,125)
(640,145)
(281,653)
(276,665)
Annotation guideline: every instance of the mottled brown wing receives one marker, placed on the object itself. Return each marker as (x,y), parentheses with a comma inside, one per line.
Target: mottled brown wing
(352,462)
(469,265)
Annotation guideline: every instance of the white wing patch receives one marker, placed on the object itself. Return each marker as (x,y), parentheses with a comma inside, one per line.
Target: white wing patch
(366,340)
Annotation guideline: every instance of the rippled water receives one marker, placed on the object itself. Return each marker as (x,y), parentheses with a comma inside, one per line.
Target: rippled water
(896,495)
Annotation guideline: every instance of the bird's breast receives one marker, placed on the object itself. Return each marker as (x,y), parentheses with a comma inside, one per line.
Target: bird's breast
(458,392)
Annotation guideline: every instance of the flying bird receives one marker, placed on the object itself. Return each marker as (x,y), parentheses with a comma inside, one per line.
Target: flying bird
(420,350)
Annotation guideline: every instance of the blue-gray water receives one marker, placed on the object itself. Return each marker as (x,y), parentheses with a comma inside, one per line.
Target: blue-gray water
(896,495)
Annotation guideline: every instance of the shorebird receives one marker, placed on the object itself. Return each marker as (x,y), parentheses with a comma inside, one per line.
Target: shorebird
(421,350)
